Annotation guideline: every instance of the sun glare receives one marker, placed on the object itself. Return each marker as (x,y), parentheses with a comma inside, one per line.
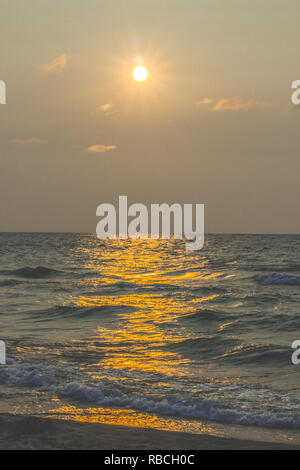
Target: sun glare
(140,74)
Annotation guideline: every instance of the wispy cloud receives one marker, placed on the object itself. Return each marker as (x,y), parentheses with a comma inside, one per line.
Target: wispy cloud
(237,104)
(232,104)
(205,101)
(58,63)
(100,148)
(26,141)
(108,109)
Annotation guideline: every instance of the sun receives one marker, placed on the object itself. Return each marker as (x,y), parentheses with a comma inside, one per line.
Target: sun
(140,74)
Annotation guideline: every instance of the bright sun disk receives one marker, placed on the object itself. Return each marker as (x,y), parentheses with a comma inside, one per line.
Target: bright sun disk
(140,74)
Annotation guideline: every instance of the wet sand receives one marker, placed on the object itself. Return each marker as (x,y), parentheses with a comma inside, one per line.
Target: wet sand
(27,432)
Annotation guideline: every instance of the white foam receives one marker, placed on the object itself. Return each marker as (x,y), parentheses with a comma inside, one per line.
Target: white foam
(46,379)
(206,409)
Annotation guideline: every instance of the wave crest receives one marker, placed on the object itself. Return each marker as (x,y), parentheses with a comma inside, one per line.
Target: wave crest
(278,279)
(34,273)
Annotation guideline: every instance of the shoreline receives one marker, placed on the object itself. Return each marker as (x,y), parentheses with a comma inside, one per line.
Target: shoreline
(19,432)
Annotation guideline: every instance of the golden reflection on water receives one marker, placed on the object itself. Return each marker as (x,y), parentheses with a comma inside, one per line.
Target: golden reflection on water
(129,418)
(135,342)
(136,335)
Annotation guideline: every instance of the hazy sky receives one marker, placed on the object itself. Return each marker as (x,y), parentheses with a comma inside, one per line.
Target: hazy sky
(213,123)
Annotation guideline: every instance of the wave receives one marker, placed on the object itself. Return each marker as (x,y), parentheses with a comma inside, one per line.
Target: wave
(10,283)
(203,347)
(177,406)
(24,376)
(34,273)
(226,349)
(78,312)
(124,285)
(188,407)
(205,315)
(143,286)
(278,279)
(252,355)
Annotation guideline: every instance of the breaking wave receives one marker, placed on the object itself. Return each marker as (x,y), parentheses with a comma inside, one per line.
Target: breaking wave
(211,410)
(170,405)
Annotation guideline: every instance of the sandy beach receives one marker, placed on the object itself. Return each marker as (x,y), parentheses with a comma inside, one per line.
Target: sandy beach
(31,433)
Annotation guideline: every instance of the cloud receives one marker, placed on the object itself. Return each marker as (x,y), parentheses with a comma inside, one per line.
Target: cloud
(232,104)
(105,107)
(237,104)
(58,63)
(205,101)
(29,140)
(100,148)
(108,109)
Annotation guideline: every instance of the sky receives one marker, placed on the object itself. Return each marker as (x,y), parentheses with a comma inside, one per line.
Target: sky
(213,124)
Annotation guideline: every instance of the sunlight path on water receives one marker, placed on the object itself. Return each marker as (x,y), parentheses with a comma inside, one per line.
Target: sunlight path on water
(137,343)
